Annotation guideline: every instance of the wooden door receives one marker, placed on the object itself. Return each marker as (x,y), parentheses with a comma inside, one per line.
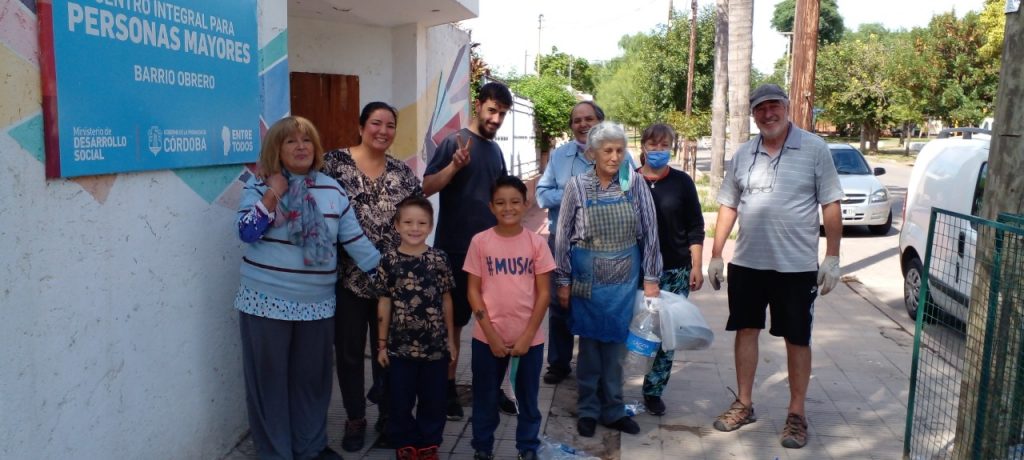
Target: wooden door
(331,102)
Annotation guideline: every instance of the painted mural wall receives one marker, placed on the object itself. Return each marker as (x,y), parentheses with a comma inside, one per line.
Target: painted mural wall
(118,337)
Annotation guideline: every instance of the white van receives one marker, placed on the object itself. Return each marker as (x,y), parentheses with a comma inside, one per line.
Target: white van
(949,174)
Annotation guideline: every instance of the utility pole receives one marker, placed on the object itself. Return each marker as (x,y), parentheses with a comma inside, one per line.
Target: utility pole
(690,145)
(805,55)
(987,383)
(540,25)
(671,13)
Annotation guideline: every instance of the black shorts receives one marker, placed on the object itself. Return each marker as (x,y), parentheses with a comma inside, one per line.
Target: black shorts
(789,296)
(461,311)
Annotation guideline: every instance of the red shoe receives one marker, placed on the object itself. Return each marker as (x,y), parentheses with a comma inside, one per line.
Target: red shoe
(429,453)
(408,453)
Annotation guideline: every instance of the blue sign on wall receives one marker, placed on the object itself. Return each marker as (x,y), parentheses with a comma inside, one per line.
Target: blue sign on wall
(133,85)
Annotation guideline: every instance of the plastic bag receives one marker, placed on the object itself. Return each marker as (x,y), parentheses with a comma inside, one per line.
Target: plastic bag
(682,325)
(554,450)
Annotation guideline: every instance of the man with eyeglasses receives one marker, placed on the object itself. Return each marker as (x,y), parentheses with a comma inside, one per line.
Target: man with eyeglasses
(774,186)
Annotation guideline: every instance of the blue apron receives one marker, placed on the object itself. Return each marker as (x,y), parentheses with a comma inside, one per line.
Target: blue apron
(605,269)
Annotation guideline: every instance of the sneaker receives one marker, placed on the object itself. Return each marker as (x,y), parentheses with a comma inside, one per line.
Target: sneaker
(481,455)
(506,405)
(408,453)
(553,377)
(355,435)
(736,416)
(626,425)
(794,435)
(454,410)
(428,453)
(654,405)
(528,455)
(328,454)
(586,426)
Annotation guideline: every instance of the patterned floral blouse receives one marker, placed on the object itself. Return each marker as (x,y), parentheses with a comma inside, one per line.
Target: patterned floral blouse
(374,201)
(416,286)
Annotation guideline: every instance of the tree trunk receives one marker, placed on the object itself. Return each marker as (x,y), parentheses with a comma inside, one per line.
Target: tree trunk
(718,115)
(1004,193)
(873,139)
(741,25)
(906,139)
(863,136)
(805,52)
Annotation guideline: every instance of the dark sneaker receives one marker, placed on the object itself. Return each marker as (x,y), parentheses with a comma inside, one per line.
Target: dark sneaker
(654,405)
(428,453)
(794,435)
(328,454)
(481,455)
(355,435)
(407,453)
(553,377)
(528,455)
(625,425)
(506,405)
(454,410)
(586,426)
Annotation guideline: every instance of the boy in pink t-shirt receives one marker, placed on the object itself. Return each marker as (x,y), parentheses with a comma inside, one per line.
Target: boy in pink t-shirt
(509,290)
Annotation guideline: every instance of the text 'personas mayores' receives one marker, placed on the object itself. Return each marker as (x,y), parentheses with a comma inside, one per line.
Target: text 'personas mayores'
(89,143)
(199,34)
(166,76)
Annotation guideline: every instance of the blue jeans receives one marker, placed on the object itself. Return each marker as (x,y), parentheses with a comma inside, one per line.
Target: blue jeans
(599,377)
(488,372)
(414,383)
(560,339)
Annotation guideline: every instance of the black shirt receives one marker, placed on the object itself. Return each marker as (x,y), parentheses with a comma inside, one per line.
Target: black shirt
(464,209)
(680,221)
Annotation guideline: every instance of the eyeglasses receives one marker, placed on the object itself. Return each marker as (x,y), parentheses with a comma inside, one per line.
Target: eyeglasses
(766,183)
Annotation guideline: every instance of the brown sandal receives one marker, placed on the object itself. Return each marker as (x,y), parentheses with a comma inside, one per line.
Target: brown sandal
(736,416)
(794,435)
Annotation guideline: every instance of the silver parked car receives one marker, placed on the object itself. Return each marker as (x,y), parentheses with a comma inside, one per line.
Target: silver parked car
(865,200)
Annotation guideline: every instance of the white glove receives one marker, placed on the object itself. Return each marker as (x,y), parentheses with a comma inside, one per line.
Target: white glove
(828,274)
(716,272)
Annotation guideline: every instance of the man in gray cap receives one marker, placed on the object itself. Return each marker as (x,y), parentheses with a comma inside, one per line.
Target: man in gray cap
(774,186)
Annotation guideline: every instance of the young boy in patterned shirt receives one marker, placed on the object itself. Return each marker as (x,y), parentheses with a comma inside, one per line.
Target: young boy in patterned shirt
(416,333)
(509,271)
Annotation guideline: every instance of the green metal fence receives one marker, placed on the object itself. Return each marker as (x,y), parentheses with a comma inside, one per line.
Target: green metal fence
(967,376)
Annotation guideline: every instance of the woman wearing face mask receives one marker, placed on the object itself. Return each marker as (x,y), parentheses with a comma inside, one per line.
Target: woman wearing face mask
(680,236)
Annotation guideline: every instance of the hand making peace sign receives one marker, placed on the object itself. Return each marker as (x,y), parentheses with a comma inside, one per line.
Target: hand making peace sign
(461,156)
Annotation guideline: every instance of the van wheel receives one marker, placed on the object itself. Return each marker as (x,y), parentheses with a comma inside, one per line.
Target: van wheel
(912,291)
(882,229)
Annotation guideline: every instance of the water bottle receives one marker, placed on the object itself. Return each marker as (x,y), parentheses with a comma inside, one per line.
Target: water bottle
(643,341)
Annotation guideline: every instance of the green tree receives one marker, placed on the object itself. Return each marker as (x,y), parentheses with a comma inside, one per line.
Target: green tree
(966,89)
(577,71)
(830,23)
(993,22)
(552,105)
(649,80)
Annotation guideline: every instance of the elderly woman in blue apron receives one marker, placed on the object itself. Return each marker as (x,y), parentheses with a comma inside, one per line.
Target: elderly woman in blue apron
(607,237)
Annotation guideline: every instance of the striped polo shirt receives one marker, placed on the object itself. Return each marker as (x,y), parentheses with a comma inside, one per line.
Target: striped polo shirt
(777,200)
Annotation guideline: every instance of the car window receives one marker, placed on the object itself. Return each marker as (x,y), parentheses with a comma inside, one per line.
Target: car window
(849,161)
(979,189)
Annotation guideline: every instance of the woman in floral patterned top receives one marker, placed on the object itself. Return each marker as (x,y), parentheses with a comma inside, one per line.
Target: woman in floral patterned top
(375,182)
(417,333)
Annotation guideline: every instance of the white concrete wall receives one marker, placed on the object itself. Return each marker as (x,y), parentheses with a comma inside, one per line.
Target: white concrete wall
(118,338)
(346,49)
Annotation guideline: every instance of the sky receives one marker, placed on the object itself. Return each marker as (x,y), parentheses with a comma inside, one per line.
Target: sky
(507,30)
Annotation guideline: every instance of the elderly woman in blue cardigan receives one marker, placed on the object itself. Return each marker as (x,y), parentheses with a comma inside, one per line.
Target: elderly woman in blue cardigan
(293,219)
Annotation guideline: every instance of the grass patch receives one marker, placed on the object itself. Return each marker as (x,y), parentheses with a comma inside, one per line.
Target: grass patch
(708,203)
(710,232)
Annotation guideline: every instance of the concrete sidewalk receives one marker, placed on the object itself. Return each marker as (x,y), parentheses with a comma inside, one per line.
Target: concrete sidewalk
(856,404)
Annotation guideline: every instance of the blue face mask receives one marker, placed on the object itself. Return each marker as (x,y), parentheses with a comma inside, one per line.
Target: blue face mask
(657,160)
